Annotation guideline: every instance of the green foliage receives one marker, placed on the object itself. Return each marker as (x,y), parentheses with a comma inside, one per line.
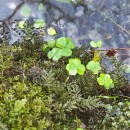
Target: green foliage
(37,93)
(51,31)
(40,6)
(105,80)
(117,74)
(60,47)
(75,67)
(32,97)
(64,42)
(21,24)
(94,66)
(54,54)
(65,52)
(25,11)
(117,116)
(39,23)
(50,44)
(96,44)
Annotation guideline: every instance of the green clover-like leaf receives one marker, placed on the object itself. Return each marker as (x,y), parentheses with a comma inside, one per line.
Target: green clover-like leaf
(51,31)
(64,42)
(25,11)
(96,44)
(99,43)
(61,42)
(45,47)
(40,6)
(93,44)
(94,66)
(75,67)
(80,69)
(70,44)
(39,23)
(65,52)
(50,44)
(54,54)
(105,80)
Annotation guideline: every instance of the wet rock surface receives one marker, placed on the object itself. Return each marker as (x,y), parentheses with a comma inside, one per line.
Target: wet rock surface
(79,22)
(7,8)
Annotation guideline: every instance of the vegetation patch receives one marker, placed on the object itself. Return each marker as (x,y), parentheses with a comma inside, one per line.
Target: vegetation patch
(54,85)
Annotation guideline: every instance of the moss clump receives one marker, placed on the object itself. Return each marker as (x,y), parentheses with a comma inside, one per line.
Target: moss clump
(37,93)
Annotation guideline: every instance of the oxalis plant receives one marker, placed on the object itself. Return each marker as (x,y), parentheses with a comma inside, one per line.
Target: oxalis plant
(63,47)
(58,48)
(94,66)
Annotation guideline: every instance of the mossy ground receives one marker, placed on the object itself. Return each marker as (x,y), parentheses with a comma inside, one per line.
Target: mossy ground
(37,93)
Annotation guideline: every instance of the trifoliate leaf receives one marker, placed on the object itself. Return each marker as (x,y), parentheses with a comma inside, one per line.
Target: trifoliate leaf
(75,67)
(94,66)
(51,31)
(93,44)
(45,47)
(99,43)
(25,11)
(65,52)
(75,61)
(61,42)
(96,44)
(54,54)
(70,44)
(71,69)
(39,23)
(105,80)
(51,43)
(80,69)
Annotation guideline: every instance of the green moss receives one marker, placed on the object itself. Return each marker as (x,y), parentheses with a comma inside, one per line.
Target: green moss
(37,93)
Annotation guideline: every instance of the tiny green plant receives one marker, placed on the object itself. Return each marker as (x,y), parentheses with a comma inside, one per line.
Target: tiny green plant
(54,54)
(61,47)
(105,80)
(64,42)
(96,44)
(51,31)
(75,67)
(50,44)
(25,11)
(40,7)
(21,24)
(94,66)
(39,23)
